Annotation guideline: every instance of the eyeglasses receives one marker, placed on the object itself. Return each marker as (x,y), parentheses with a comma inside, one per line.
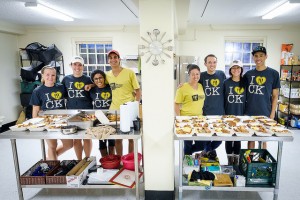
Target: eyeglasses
(98,79)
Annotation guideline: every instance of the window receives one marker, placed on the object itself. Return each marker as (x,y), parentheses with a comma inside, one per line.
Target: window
(94,55)
(240,50)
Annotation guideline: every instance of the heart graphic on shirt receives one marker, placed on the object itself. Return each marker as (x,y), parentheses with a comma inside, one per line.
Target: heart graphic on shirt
(56,95)
(215,82)
(79,85)
(260,80)
(105,95)
(239,90)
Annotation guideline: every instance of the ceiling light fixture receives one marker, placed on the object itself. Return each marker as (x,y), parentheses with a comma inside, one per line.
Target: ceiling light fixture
(49,11)
(283,8)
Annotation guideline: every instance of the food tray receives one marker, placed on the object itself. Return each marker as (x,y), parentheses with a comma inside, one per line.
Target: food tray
(55,127)
(281,132)
(182,124)
(268,133)
(36,129)
(239,133)
(83,120)
(218,127)
(183,131)
(183,119)
(17,128)
(199,131)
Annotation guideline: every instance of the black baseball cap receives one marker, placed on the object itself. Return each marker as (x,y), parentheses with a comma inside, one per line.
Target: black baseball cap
(259,49)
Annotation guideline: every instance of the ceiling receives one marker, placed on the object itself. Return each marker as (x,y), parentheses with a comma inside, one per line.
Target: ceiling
(116,12)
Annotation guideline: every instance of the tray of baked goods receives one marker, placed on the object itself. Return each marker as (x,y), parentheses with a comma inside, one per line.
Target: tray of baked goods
(240,129)
(29,125)
(259,129)
(281,131)
(221,129)
(228,125)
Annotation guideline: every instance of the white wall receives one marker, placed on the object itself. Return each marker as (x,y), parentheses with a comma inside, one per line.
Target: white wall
(124,39)
(9,77)
(203,40)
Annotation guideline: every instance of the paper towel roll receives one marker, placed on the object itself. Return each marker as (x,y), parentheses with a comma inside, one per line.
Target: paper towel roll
(133,110)
(125,118)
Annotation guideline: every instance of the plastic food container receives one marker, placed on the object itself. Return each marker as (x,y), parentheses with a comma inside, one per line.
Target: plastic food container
(110,162)
(128,161)
(69,129)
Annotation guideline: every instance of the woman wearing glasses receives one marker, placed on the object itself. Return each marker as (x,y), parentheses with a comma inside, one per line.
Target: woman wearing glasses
(102,97)
(235,98)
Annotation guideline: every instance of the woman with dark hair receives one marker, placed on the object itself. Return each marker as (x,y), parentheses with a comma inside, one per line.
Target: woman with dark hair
(102,97)
(235,98)
(189,101)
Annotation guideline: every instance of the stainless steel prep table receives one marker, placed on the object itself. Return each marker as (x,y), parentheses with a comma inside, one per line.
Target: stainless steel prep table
(13,136)
(275,189)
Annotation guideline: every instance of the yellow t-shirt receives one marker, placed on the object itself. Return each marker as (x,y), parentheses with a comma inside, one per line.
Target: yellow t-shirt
(192,100)
(122,87)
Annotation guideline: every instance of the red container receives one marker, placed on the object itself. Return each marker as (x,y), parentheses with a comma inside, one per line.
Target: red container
(128,161)
(110,162)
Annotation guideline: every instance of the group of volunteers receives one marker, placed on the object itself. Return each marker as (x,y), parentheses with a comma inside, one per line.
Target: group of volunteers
(210,93)
(78,91)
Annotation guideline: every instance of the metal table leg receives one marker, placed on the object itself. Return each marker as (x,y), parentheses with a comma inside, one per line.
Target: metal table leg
(136,167)
(17,169)
(43,149)
(279,156)
(180,169)
(259,144)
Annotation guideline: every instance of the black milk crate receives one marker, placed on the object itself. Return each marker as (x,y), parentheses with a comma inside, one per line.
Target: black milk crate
(261,170)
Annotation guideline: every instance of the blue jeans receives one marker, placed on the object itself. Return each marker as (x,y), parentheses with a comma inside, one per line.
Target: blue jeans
(190,148)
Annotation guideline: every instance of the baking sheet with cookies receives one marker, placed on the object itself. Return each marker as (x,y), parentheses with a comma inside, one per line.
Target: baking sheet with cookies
(228,126)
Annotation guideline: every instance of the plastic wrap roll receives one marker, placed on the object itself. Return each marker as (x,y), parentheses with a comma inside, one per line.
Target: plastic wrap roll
(125,118)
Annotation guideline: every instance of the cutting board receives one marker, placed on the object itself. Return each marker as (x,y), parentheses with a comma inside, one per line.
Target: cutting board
(222,180)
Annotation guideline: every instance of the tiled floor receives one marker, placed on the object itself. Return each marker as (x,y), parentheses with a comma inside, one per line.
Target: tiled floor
(29,153)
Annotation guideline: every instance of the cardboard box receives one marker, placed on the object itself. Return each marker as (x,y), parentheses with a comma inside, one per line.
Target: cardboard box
(76,180)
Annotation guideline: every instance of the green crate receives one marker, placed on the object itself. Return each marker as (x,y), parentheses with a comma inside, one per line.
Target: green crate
(256,172)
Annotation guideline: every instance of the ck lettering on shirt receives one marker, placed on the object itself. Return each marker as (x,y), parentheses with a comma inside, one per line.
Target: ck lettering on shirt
(77,96)
(48,98)
(260,85)
(213,86)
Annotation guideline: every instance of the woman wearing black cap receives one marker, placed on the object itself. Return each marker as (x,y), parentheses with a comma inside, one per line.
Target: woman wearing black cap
(235,98)
(102,97)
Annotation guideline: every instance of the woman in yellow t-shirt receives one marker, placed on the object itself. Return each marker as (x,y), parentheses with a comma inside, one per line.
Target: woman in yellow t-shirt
(189,101)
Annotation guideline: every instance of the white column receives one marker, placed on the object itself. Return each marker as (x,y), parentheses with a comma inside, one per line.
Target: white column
(158,98)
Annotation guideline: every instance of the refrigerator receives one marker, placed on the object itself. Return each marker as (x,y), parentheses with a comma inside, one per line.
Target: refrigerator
(180,68)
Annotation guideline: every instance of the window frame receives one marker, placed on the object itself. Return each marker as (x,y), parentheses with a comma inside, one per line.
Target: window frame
(250,65)
(89,67)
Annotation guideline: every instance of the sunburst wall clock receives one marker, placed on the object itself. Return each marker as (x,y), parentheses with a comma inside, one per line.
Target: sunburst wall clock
(155,48)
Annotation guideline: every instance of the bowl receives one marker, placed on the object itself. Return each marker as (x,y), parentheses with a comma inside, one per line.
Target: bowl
(128,161)
(110,162)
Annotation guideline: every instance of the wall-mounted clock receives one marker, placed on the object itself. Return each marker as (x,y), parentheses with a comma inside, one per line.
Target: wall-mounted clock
(155,48)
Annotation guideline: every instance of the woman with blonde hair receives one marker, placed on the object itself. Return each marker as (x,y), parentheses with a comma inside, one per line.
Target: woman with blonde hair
(50,96)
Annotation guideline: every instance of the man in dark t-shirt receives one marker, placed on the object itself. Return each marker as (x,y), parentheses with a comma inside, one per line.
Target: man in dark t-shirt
(262,85)
(212,82)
